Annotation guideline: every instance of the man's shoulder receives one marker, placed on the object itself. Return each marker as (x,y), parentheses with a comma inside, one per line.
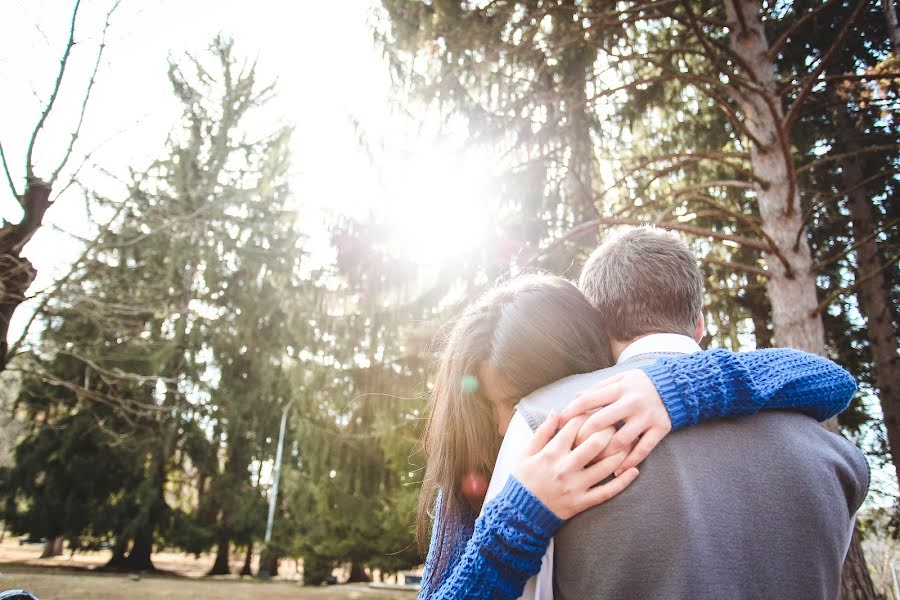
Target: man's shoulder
(535,407)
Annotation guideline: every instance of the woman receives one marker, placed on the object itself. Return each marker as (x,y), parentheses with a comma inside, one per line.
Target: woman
(519,337)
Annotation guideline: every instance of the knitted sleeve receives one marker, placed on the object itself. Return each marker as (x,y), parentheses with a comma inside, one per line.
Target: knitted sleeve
(505,549)
(718,384)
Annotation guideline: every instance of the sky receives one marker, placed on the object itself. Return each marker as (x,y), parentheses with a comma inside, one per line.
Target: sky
(332,85)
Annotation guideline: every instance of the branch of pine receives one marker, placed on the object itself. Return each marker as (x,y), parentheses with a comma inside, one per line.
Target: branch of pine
(778,44)
(794,110)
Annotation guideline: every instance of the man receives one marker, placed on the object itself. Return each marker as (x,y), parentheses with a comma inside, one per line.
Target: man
(757,508)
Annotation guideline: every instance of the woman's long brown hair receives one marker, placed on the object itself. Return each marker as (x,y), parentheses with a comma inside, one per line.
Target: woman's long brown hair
(532,330)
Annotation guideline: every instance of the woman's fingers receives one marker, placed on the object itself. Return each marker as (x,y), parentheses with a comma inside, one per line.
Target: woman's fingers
(627,436)
(604,418)
(598,396)
(543,434)
(602,493)
(602,469)
(563,441)
(643,448)
(589,449)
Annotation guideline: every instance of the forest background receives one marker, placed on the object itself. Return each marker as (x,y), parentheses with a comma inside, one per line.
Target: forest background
(216,215)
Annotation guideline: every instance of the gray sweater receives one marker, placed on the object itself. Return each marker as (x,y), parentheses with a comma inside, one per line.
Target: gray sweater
(762,507)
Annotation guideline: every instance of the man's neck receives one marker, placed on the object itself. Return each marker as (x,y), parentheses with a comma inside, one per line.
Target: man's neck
(653,342)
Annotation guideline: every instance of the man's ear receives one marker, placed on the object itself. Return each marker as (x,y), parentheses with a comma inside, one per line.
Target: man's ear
(699,329)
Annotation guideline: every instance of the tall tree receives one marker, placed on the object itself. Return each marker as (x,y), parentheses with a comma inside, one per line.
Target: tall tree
(692,90)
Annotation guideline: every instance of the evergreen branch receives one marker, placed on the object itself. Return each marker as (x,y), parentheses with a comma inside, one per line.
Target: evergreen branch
(590,226)
(711,54)
(127,406)
(794,110)
(750,269)
(778,44)
(29,168)
(113,374)
(846,77)
(825,262)
(9,179)
(832,157)
(87,95)
(839,194)
(740,217)
(695,79)
(855,285)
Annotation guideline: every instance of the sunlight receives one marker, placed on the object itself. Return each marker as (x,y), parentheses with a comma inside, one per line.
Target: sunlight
(438,205)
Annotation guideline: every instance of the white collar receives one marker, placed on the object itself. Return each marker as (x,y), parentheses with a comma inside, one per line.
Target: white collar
(660,342)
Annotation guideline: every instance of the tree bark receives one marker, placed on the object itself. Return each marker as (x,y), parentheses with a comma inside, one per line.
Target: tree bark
(791,285)
(139,559)
(358,574)
(53,547)
(17,272)
(874,302)
(220,566)
(117,561)
(247,569)
(890,15)
(856,583)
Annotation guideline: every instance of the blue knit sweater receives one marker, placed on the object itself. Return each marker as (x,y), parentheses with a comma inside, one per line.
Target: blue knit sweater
(496,553)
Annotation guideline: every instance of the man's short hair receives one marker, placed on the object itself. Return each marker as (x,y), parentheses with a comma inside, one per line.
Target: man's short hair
(644,280)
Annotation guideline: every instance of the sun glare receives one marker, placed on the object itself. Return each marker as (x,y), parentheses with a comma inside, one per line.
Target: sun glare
(438,205)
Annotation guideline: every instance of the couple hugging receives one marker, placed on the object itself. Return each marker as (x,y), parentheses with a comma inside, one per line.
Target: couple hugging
(583,385)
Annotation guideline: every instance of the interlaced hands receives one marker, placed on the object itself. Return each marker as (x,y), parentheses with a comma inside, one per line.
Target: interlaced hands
(566,475)
(629,399)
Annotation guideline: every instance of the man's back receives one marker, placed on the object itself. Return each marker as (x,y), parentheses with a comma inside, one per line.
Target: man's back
(757,508)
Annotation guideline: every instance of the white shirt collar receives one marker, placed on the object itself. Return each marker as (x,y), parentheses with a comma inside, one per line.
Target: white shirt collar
(660,342)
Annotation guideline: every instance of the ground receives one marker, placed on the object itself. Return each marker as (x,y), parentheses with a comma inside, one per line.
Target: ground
(74,578)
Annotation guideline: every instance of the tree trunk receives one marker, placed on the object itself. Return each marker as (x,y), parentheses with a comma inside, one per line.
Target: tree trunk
(247,569)
(53,547)
(874,302)
(274,561)
(358,574)
(139,557)
(16,272)
(856,582)
(791,284)
(890,15)
(220,566)
(117,562)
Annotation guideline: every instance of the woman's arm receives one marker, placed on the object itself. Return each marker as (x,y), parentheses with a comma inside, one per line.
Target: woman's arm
(553,482)
(684,390)
(717,384)
(505,549)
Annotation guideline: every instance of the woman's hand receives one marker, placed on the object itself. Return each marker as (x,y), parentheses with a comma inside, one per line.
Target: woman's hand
(565,478)
(630,398)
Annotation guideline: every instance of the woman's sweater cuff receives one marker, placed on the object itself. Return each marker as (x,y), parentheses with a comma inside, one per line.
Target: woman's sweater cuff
(530,508)
(670,391)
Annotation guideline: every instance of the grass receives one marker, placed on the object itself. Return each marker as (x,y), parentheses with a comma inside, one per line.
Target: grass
(74,578)
(63,585)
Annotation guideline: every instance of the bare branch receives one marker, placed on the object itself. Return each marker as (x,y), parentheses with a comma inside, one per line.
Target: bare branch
(794,110)
(29,168)
(87,96)
(9,178)
(59,283)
